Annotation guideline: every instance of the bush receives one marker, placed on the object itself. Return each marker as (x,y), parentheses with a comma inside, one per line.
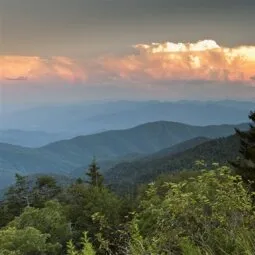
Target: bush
(87,247)
(208,214)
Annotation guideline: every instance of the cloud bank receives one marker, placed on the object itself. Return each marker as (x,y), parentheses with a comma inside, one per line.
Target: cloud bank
(204,60)
(40,69)
(156,62)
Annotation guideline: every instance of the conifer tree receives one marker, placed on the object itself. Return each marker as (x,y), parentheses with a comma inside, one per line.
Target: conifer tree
(17,197)
(19,194)
(96,179)
(245,165)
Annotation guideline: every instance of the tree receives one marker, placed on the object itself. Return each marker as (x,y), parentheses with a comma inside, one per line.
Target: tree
(37,231)
(20,192)
(245,165)
(45,189)
(29,241)
(17,197)
(96,179)
(87,206)
(50,220)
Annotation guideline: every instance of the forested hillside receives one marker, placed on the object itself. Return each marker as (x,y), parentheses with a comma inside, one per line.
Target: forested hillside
(138,171)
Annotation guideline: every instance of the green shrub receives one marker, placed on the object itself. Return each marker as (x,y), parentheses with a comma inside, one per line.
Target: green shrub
(208,214)
(87,247)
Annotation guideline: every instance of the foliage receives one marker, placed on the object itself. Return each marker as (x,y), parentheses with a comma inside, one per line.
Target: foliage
(84,202)
(87,247)
(29,241)
(17,198)
(49,220)
(209,213)
(25,193)
(45,189)
(19,195)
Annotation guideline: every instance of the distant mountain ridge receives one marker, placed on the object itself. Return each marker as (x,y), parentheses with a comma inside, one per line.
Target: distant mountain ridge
(87,118)
(63,157)
(29,138)
(143,139)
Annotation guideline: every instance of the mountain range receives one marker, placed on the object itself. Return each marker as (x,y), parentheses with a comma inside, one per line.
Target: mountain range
(70,120)
(64,156)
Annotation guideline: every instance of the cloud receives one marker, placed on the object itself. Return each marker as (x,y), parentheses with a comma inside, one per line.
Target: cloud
(19,78)
(204,60)
(149,63)
(33,68)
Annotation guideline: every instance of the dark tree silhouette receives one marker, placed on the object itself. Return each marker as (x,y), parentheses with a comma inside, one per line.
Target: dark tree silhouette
(95,178)
(245,165)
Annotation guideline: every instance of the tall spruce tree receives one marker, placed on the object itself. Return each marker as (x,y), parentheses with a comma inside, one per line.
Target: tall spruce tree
(17,197)
(95,178)
(245,165)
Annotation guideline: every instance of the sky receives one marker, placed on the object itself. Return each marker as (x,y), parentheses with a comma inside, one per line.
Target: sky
(67,51)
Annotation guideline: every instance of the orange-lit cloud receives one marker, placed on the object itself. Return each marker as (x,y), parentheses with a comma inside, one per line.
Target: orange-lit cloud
(36,68)
(203,60)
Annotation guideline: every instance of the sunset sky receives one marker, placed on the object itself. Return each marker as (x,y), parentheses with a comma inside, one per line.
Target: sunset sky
(73,50)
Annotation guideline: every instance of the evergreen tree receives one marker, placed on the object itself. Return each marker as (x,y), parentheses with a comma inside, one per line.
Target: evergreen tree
(17,197)
(96,179)
(245,165)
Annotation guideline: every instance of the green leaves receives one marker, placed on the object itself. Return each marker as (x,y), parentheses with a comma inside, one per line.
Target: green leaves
(23,241)
(210,210)
(87,247)
(97,210)
(47,230)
